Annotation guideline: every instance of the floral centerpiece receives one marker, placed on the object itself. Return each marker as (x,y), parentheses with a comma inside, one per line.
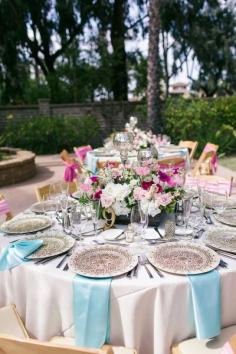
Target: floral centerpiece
(145,139)
(121,188)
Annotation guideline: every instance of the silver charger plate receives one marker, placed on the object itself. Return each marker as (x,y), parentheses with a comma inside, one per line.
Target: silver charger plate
(102,261)
(229,204)
(184,258)
(54,243)
(228,217)
(47,205)
(221,238)
(25,224)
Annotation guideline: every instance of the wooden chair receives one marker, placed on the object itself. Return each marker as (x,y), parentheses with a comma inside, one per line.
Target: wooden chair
(208,346)
(190,145)
(14,339)
(8,214)
(66,157)
(203,165)
(42,192)
(171,162)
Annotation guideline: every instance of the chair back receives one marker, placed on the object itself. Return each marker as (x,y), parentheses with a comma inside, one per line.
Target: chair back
(13,345)
(190,145)
(204,163)
(4,208)
(66,157)
(42,192)
(104,164)
(176,162)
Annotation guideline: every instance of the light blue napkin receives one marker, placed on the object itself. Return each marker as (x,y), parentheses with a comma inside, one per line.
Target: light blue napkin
(91,161)
(91,306)
(206,297)
(15,253)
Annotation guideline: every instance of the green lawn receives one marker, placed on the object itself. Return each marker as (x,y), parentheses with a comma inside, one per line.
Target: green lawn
(229,162)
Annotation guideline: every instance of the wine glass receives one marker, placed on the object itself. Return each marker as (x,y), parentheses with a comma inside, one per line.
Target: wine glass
(123,142)
(54,195)
(220,203)
(144,155)
(139,219)
(182,214)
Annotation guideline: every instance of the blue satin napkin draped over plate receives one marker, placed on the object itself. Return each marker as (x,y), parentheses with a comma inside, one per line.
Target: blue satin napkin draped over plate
(16,253)
(91,306)
(206,297)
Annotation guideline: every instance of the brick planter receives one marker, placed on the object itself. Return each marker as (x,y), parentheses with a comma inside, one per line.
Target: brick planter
(19,167)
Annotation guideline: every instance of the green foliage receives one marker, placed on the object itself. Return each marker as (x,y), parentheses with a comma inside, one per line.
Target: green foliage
(45,135)
(212,120)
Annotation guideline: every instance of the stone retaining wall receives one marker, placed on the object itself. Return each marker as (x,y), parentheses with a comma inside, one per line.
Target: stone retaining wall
(18,168)
(110,115)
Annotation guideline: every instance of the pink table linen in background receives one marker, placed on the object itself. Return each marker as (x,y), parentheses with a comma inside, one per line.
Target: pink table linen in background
(219,187)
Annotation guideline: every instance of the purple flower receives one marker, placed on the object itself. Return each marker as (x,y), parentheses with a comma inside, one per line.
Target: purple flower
(147,184)
(94,179)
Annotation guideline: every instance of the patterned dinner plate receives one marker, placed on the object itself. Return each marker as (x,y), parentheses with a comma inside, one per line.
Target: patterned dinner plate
(25,224)
(102,261)
(228,217)
(184,258)
(47,205)
(222,238)
(54,243)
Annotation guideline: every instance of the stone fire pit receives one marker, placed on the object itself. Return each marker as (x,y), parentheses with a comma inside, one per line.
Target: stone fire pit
(19,167)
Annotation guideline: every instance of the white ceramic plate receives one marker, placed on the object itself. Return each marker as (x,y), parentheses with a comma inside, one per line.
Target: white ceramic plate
(25,224)
(102,261)
(184,258)
(54,243)
(228,217)
(48,205)
(222,238)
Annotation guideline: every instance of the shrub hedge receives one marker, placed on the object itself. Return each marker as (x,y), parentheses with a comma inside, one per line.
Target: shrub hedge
(46,135)
(203,120)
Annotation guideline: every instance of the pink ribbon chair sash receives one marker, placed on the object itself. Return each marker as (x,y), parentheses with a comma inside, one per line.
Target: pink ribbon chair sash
(70,171)
(82,151)
(4,208)
(214,160)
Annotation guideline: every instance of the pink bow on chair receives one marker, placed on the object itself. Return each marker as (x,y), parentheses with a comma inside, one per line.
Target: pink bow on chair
(82,151)
(214,160)
(4,208)
(70,171)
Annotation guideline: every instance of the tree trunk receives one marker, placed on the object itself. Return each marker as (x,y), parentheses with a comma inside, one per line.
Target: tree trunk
(119,69)
(153,75)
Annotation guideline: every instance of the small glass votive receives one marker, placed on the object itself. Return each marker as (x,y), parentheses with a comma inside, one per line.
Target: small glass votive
(129,234)
(169,229)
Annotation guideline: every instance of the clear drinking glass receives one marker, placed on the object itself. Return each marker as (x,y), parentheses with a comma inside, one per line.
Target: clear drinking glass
(139,220)
(220,203)
(95,213)
(54,195)
(182,214)
(63,199)
(144,155)
(76,221)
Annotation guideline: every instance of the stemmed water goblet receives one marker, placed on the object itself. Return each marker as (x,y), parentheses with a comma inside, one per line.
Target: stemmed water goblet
(144,155)
(123,142)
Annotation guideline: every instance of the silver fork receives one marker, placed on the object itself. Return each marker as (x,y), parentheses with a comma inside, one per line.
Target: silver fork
(145,261)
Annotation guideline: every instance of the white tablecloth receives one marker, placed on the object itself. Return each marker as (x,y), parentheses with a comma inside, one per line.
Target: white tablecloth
(147,314)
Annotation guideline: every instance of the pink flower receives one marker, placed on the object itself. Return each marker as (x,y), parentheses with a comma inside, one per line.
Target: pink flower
(139,193)
(94,179)
(156,180)
(165,199)
(142,171)
(86,188)
(106,200)
(146,185)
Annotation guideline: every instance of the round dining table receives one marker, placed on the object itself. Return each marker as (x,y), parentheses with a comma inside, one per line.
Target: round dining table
(148,314)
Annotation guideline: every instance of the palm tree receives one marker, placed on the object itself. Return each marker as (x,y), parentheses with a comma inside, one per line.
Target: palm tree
(153,72)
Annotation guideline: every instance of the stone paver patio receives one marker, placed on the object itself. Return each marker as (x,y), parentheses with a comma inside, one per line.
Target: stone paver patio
(51,169)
